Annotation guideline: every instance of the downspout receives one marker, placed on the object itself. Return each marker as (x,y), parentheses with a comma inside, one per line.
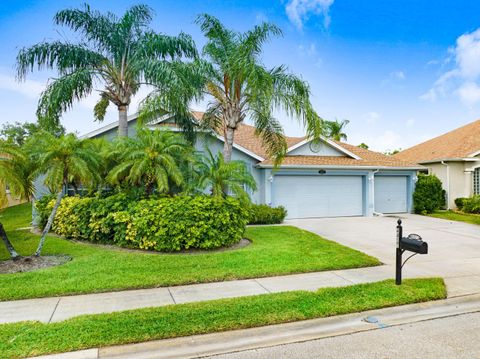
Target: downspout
(448,184)
(378,214)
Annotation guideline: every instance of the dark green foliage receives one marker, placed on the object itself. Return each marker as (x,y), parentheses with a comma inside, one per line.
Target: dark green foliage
(429,194)
(459,202)
(263,214)
(163,224)
(41,205)
(471,205)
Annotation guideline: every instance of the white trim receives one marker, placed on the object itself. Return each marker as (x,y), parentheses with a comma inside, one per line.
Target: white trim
(240,148)
(108,127)
(459,159)
(330,142)
(356,167)
(474,154)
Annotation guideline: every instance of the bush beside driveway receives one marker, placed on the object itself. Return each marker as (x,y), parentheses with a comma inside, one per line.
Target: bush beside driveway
(276,250)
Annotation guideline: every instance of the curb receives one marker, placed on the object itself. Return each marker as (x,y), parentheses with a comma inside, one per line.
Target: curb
(279,334)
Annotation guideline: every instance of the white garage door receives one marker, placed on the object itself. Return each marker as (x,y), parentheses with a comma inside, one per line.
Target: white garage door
(390,194)
(319,196)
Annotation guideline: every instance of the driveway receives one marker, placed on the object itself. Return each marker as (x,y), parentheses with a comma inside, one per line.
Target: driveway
(454,247)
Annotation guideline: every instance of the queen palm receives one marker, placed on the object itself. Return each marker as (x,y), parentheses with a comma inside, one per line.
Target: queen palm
(224,178)
(115,56)
(242,87)
(152,160)
(63,160)
(335,129)
(16,173)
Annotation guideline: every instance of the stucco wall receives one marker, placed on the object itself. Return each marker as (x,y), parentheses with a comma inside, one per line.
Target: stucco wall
(324,149)
(459,181)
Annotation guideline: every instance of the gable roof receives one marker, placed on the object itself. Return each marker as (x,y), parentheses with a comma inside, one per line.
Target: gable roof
(460,143)
(247,142)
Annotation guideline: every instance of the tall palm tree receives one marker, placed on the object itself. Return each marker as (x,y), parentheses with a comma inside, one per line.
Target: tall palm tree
(16,173)
(119,53)
(223,178)
(335,129)
(242,87)
(63,160)
(152,159)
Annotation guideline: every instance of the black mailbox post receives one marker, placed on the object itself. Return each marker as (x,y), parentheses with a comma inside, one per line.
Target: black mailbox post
(412,243)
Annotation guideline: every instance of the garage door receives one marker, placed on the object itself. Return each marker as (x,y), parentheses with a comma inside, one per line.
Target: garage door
(390,194)
(319,196)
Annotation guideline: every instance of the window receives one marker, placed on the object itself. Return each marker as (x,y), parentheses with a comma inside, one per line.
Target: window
(476,181)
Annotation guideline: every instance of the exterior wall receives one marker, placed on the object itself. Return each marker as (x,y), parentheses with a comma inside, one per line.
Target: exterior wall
(324,150)
(206,141)
(456,179)
(12,201)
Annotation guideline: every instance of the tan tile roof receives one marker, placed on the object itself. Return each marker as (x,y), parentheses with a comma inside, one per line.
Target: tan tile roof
(245,137)
(459,143)
(367,159)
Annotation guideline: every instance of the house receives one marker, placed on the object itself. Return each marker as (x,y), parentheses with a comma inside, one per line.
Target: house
(454,157)
(316,179)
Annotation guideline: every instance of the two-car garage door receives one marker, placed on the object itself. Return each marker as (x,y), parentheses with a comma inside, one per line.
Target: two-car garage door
(307,196)
(319,196)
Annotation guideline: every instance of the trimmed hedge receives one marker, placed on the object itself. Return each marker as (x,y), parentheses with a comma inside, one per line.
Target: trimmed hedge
(459,202)
(263,214)
(165,224)
(429,194)
(469,205)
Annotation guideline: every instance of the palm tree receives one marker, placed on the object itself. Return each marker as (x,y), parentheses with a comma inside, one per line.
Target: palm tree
(223,178)
(16,173)
(335,129)
(242,87)
(152,159)
(119,53)
(63,160)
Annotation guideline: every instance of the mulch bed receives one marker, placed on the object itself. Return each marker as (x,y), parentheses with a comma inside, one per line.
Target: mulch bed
(28,264)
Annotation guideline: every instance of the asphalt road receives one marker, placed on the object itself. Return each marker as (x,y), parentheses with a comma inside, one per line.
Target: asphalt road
(452,337)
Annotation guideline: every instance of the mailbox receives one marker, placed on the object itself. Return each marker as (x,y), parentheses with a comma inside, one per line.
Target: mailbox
(412,243)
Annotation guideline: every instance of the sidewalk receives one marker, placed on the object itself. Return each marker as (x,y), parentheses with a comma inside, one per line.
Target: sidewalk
(268,336)
(55,309)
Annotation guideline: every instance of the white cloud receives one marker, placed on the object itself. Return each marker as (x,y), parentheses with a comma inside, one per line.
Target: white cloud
(28,88)
(410,122)
(397,75)
(462,80)
(372,117)
(307,50)
(298,11)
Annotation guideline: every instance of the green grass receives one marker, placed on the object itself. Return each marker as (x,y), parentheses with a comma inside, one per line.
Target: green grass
(275,250)
(34,338)
(457,216)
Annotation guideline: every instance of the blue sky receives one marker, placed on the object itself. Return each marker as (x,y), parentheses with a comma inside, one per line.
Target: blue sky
(400,71)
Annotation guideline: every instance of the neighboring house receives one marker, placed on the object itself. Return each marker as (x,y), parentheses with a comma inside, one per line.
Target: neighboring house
(454,158)
(316,179)
(11,200)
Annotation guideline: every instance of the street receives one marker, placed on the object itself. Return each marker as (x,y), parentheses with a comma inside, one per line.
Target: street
(452,337)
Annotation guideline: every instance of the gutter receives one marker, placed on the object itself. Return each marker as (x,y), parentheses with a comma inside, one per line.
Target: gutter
(448,183)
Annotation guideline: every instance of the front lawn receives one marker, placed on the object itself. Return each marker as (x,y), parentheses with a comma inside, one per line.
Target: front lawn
(275,250)
(457,216)
(34,338)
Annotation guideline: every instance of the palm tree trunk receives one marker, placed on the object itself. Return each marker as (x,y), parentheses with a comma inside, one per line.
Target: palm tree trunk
(11,250)
(49,223)
(228,145)
(122,121)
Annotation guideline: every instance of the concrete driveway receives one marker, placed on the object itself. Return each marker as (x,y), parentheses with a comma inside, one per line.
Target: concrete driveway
(454,247)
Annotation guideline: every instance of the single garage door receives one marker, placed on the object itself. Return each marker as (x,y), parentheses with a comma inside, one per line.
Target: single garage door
(390,194)
(319,196)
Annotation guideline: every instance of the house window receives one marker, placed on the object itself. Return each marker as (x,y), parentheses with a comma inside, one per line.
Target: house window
(476,181)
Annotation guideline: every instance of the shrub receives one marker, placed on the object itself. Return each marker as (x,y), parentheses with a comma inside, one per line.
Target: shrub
(471,205)
(429,194)
(263,214)
(41,205)
(459,202)
(164,224)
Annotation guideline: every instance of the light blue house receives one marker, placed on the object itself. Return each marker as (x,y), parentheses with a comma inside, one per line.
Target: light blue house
(316,179)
